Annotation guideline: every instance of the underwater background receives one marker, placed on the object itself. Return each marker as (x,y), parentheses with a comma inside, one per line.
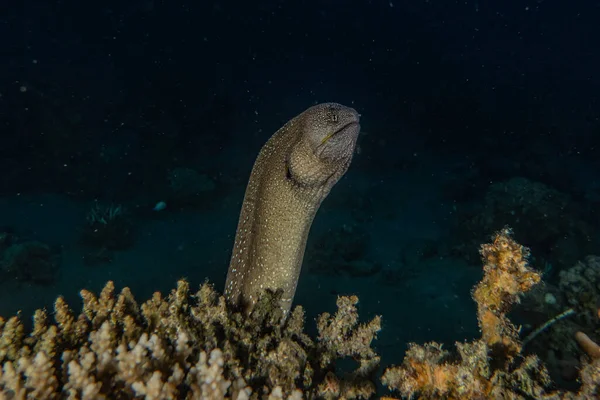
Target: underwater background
(129,130)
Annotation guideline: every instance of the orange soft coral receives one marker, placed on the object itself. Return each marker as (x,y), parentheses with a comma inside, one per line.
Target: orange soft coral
(507,276)
(490,367)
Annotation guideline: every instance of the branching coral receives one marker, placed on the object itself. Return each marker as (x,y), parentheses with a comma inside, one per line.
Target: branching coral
(186,346)
(193,346)
(493,366)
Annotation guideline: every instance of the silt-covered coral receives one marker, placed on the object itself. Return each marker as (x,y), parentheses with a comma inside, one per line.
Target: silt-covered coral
(189,345)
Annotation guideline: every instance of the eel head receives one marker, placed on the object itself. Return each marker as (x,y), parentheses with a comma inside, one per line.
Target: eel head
(326,142)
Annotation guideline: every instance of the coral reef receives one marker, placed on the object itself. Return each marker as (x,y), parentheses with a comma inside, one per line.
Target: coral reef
(492,367)
(578,291)
(580,286)
(27,260)
(186,346)
(547,221)
(194,346)
(108,227)
(552,316)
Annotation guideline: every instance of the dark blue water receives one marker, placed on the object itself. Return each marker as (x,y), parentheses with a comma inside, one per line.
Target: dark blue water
(475,115)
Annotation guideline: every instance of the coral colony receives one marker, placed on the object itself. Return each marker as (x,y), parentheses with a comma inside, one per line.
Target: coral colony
(103,215)
(191,345)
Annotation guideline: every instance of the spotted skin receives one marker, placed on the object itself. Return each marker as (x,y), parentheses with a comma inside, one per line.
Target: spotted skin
(292,175)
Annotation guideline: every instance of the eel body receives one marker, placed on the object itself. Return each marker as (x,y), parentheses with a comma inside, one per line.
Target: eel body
(294,171)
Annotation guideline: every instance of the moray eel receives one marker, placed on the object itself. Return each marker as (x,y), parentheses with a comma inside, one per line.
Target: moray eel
(292,175)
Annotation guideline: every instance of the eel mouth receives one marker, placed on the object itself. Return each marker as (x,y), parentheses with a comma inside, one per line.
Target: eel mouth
(349,127)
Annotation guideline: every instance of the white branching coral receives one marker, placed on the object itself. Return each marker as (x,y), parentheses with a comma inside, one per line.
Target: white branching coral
(182,347)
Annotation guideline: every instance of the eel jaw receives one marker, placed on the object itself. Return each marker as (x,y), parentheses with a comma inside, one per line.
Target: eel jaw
(340,131)
(340,143)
